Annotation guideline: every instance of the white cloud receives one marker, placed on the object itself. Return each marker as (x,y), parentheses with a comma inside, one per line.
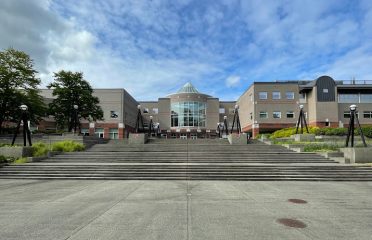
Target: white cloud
(232,81)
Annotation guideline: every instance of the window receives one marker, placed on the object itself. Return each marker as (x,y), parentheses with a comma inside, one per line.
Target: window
(188,114)
(114,114)
(114,133)
(145,110)
(289,95)
(348,98)
(84,131)
(262,95)
(325,90)
(367,114)
(347,114)
(366,98)
(99,132)
(155,110)
(222,110)
(276,95)
(302,95)
(264,115)
(277,114)
(290,114)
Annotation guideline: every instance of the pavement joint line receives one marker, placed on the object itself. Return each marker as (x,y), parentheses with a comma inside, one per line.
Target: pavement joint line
(101,214)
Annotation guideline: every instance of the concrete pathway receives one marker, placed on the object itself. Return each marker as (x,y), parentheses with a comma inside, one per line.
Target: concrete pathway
(177,210)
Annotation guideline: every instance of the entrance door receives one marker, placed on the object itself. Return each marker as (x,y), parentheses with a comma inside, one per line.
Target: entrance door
(183,136)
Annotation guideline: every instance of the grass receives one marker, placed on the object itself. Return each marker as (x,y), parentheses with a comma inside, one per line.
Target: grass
(20,161)
(321,147)
(67,146)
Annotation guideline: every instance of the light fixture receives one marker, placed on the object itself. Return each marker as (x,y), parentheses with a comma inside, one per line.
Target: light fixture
(236,106)
(301,106)
(139,106)
(23,107)
(224,117)
(353,107)
(76,107)
(150,117)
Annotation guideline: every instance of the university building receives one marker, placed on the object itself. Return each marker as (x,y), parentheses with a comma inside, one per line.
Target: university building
(263,107)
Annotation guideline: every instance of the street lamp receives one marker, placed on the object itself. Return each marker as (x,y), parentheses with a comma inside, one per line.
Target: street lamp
(301,120)
(150,126)
(351,127)
(26,130)
(139,120)
(76,107)
(225,125)
(236,119)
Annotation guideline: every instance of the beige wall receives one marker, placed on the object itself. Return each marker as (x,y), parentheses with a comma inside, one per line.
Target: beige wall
(212,113)
(164,113)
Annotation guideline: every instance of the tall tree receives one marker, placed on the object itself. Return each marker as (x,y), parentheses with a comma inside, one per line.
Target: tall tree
(18,85)
(71,89)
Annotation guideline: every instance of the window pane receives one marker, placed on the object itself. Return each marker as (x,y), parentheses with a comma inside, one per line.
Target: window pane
(276,95)
(289,95)
(348,98)
(263,115)
(366,98)
(262,95)
(277,114)
(290,114)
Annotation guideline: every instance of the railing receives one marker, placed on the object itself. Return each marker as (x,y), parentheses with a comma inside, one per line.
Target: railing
(355,82)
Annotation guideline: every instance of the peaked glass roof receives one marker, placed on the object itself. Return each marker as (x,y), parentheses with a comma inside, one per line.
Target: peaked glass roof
(188,88)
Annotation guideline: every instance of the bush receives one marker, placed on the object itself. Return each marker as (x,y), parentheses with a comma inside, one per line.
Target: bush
(3,159)
(67,146)
(287,132)
(39,149)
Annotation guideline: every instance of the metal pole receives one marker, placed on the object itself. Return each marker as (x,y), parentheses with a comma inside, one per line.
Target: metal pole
(16,131)
(298,121)
(352,128)
(361,132)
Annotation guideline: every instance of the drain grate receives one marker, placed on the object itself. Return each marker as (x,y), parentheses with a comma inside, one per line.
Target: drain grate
(291,222)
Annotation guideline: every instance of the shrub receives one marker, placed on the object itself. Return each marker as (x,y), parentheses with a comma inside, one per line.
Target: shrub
(67,146)
(39,149)
(3,159)
(287,132)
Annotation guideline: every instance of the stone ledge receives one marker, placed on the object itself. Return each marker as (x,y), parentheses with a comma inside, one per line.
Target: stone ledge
(16,152)
(238,139)
(138,138)
(357,155)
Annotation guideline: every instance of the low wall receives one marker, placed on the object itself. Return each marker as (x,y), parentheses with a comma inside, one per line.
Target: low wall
(357,155)
(16,152)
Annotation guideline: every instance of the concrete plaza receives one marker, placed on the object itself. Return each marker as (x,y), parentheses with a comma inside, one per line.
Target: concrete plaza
(176,210)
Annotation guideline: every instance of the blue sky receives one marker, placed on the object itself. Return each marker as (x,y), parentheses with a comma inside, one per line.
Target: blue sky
(152,48)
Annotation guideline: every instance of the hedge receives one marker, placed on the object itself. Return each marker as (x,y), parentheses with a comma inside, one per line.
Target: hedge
(287,132)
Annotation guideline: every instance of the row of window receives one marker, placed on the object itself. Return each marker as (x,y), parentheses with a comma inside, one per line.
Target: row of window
(366,114)
(276,95)
(277,114)
(354,98)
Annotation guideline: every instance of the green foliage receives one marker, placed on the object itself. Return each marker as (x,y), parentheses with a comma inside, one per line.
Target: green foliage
(367,131)
(3,159)
(21,161)
(71,89)
(331,131)
(287,132)
(18,85)
(67,146)
(320,147)
(264,135)
(39,149)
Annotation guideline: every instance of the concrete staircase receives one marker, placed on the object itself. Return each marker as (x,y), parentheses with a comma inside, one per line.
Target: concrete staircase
(175,159)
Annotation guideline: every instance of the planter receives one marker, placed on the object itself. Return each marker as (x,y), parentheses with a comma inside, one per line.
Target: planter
(304,137)
(137,138)
(357,155)
(16,152)
(237,139)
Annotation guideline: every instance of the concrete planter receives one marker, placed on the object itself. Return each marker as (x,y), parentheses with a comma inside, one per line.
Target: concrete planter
(357,155)
(304,137)
(16,152)
(137,138)
(237,139)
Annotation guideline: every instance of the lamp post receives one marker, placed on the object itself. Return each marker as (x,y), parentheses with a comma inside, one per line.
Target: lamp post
(351,127)
(139,120)
(302,121)
(26,130)
(76,107)
(150,126)
(219,129)
(226,128)
(236,119)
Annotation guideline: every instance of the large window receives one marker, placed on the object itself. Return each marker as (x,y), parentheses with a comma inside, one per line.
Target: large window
(366,98)
(348,98)
(290,114)
(188,114)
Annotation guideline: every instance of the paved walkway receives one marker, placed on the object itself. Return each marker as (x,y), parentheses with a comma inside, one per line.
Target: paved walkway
(177,210)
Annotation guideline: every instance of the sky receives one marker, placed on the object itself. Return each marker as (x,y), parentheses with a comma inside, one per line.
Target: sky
(153,47)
